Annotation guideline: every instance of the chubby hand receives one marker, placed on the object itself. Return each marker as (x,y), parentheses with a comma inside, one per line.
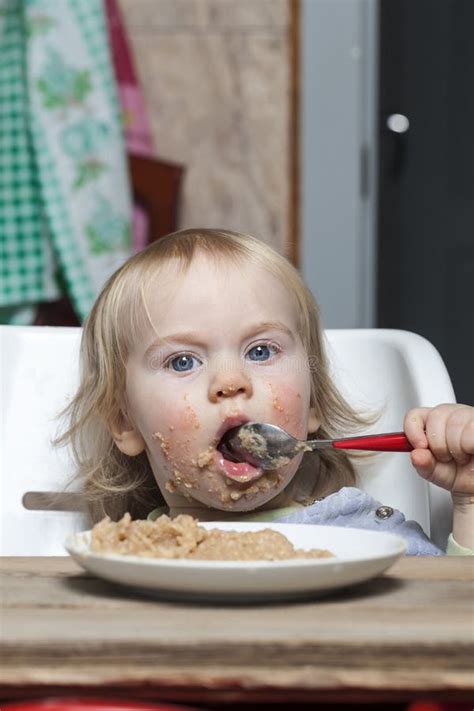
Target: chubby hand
(443,441)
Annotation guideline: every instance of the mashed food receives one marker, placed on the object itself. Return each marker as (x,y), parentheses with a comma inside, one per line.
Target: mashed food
(183,537)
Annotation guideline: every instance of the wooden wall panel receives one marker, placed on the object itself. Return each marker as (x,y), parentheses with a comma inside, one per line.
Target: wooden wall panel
(219,83)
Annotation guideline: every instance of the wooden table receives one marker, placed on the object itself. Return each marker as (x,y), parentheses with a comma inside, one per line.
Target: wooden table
(405,635)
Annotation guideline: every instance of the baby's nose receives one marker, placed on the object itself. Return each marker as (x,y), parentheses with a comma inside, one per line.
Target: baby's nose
(230,384)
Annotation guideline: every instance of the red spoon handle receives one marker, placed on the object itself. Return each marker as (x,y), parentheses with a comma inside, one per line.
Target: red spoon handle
(393,442)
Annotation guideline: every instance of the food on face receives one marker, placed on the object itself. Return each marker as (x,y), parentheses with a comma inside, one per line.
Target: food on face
(183,537)
(164,443)
(205,458)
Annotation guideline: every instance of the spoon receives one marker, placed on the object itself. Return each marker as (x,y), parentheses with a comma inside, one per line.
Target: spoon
(270,447)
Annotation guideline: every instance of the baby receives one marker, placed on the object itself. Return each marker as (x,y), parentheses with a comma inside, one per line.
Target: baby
(208,329)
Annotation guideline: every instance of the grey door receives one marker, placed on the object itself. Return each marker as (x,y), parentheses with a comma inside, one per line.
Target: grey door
(426,178)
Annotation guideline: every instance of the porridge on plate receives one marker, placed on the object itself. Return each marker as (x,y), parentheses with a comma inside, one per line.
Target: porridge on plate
(183,537)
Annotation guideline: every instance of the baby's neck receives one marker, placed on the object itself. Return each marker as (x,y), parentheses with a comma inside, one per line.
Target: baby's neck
(205,514)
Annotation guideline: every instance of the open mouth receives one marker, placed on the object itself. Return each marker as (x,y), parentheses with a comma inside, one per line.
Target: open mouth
(229,462)
(223,446)
(226,450)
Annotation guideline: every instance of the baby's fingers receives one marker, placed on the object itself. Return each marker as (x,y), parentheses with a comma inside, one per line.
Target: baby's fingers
(467,438)
(422,459)
(436,426)
(414,427)
(460,433)
(429,468)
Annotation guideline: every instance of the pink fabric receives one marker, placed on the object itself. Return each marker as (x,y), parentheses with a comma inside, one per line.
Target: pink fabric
(136,127)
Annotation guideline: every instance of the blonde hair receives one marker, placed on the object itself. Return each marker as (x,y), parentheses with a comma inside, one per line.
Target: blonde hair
(114,483)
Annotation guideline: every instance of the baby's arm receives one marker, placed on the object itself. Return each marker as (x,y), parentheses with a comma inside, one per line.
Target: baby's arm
(443,438)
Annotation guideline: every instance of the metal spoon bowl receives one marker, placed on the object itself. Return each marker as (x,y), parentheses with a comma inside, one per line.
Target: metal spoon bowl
(271,447)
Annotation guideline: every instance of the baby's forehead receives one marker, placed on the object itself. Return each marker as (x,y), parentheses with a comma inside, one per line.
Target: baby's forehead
(208,279)
(214,268)
(176,296)
(202,283)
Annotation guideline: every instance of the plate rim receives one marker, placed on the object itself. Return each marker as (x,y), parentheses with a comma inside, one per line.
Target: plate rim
(74,540)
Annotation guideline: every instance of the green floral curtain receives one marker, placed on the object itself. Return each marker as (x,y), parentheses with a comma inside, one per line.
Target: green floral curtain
(65,207)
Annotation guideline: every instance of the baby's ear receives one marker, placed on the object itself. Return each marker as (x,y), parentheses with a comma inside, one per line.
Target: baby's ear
(126,437)
(314,423)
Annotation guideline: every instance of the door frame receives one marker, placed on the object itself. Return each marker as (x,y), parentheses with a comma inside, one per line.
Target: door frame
(338,158)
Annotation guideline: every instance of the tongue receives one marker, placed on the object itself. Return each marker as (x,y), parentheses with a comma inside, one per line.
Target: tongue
(240,471)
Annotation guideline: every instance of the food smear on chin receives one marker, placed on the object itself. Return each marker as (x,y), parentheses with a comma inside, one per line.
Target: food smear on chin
(269,480)
(171,486)
(178,483)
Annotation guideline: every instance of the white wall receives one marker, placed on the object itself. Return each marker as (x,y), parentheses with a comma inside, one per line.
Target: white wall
(338,158)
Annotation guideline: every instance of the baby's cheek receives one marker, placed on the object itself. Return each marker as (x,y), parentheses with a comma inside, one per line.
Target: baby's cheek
(188,417)
(288,409)
(183,421)
(178,433)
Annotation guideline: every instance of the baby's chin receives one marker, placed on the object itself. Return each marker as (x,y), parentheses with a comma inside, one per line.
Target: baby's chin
(247,500)
(209,488)
(237,507)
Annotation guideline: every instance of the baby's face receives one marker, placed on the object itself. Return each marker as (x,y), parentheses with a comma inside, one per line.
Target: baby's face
(225,350)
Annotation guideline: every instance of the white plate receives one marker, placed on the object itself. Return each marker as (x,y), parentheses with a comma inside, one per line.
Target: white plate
(359,556)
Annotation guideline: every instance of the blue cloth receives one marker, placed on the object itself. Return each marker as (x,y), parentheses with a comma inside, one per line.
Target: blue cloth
(351,507)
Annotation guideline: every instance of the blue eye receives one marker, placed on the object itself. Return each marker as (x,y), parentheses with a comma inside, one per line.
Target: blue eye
(261,352)
(183,363)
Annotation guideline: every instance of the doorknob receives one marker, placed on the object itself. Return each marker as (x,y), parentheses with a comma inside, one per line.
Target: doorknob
(398,123)
(397,126)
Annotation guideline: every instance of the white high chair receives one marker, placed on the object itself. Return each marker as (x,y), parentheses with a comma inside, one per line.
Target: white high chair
(381,369)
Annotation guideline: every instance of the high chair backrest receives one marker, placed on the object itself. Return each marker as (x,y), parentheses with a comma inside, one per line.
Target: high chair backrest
(384,370)
(39,374)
